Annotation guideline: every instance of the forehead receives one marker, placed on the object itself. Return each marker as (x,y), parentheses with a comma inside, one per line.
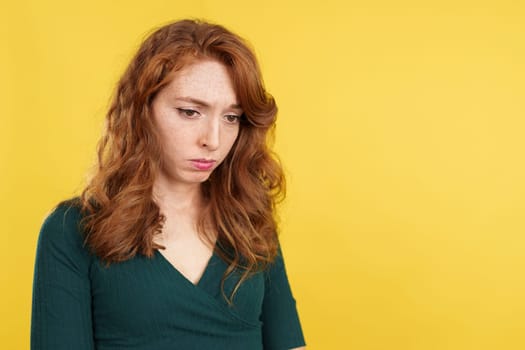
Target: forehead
(207,80)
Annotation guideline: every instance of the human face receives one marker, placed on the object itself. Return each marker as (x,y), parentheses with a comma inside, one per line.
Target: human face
(197,115)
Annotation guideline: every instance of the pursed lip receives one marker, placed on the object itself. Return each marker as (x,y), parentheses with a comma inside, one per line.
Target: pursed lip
(203,160)
(202,163)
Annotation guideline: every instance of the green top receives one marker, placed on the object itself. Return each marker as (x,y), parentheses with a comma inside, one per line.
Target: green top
(145,303)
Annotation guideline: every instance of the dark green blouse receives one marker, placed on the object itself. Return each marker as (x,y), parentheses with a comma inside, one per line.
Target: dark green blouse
(147,304)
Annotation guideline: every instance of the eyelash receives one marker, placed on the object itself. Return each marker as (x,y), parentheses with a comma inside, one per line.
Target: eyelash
(190,113)
(237,118)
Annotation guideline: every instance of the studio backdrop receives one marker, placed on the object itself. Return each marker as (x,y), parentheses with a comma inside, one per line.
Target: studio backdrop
(401,128)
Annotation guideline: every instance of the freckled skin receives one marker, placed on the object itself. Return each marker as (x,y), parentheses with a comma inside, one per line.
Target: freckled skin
(197,115)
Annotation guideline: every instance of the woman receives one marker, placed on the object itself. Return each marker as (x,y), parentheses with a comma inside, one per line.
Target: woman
(172,244)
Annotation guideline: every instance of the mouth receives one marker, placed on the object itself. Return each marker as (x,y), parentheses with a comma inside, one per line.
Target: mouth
(203,164)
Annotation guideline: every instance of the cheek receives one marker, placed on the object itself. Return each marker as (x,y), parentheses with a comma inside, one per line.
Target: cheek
(171,147)
(174,136)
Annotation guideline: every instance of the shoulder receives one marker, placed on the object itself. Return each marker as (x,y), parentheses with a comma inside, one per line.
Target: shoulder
(277,263)
(275,274)
(61,229)
(65,216)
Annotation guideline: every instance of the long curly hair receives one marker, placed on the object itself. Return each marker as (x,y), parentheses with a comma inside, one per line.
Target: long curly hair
(121,216)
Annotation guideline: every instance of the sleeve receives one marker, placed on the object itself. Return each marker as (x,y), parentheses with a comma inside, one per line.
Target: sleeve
(281,326)
(61,305)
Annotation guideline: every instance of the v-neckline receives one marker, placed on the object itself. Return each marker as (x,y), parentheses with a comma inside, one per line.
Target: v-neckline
(180,274)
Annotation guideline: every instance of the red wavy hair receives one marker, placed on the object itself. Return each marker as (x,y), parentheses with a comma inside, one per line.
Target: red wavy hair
(121,217)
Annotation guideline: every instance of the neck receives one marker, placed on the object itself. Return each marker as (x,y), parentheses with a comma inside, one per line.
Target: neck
(176,199)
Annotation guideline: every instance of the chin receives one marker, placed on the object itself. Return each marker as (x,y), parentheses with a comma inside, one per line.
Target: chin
(188,178)
(201,178)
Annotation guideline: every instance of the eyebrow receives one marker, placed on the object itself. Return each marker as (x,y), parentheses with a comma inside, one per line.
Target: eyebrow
(204,103)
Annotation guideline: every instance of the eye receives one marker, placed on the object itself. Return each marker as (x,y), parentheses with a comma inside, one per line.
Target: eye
(190,113)
(231,118)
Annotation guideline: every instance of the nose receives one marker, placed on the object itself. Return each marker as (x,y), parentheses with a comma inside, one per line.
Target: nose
(210,134)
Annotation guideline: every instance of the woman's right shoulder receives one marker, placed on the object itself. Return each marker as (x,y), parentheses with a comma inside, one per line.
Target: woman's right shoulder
(62,227)
(66,214)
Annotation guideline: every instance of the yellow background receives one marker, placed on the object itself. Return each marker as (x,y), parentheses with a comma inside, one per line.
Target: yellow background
(401,128)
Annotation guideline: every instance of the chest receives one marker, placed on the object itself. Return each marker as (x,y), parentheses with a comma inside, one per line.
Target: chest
(185,249)
(190,257)
(147,297)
